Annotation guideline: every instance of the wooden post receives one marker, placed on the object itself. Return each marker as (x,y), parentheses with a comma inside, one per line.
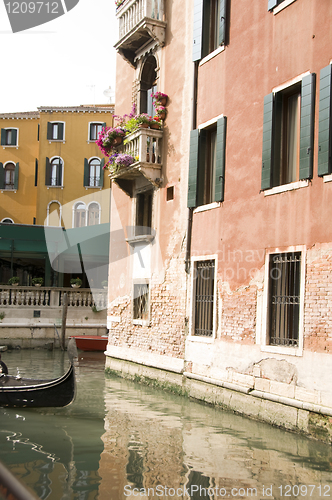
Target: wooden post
(64,319)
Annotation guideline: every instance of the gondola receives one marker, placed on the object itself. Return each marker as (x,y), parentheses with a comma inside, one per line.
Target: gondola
(17,392)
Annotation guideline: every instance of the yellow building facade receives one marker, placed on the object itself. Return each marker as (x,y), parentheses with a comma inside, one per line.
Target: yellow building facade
(51,170)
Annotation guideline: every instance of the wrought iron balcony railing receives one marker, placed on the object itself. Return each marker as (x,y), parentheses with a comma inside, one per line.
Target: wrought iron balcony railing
(140,22)
(145,145)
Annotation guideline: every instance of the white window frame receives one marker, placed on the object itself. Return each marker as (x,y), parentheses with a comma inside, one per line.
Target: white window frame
(262,333)
(88,212)
(100,172)
(192,337)
(9,219)
(282,6)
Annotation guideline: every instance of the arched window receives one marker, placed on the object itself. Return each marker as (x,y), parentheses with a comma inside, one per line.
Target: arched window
(94,171)
(7,221)
(9,179)
(93,214)
(54,214)
(54,171)
(80,214)
(148,86)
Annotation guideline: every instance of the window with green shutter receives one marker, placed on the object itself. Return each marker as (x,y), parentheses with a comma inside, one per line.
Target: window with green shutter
(9,136)
(288,132)
(94,130)
(55,131)
(207,164)
(209,30)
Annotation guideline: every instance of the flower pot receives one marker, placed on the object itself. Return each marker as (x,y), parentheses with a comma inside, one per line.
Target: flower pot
(162,101)
(155,126)
(143,125)
(162,115)
(37,284)
(118,140)
(75,286)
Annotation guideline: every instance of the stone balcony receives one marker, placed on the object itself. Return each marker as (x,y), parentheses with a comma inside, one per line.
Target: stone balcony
(140,22)
(146,145)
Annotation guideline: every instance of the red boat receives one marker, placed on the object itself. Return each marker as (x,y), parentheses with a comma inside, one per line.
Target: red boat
(91,342)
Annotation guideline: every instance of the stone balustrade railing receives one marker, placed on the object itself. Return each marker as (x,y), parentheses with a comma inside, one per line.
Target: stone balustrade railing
(26,296)
(131,12)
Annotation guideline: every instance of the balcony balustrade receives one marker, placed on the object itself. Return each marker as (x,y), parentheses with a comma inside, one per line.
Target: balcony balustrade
(44,297)
(140,22)
(145,145)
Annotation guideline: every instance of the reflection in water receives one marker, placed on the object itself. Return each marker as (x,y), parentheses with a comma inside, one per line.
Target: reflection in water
(119,439)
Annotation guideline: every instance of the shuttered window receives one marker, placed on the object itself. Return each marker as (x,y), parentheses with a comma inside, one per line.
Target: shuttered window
(209,29)
(324,135)
(8,137)
(93,172)
(9,176)
(94,130)
(288,134)
(207,164)
(54,172)
(55,131)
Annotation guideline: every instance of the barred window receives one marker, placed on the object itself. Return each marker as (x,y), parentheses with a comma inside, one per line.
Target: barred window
(141,301)
(284,298)
(204,297)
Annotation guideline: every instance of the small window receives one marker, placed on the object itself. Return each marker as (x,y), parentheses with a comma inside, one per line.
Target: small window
(170,193)
(144,213)
(284,299)
(204,298)
(141,302)
(55,131)
(95,129)
(9,137)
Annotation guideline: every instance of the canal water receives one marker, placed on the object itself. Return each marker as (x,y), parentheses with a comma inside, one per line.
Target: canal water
(120,439)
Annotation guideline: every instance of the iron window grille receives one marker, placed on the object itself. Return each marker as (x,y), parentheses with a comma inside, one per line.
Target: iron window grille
(204,278)
(141,301)
(284,298)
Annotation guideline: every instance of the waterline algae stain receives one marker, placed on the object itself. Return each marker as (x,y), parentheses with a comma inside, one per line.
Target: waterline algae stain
(31,13)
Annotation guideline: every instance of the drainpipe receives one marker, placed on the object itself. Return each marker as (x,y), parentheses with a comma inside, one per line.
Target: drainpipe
(193,127)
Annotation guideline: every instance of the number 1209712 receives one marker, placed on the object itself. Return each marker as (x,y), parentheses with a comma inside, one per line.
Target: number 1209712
(33,7)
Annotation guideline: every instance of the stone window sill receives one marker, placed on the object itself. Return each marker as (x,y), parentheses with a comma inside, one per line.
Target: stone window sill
(287,187)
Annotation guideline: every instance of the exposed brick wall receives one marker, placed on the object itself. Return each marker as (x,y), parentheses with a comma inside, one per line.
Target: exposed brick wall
(318,300)
(238,314)
(166,332)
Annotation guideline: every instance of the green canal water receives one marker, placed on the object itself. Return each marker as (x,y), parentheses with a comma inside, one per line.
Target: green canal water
(120,439)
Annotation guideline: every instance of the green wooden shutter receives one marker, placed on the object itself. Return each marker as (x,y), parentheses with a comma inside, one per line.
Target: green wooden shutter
(101,178)
(59,173)
(271,4)
(2,176)
(60,131)
(220,159)
(103,125)
(197,30)
(86,175)
(193,168)
(47,172)
(14,137)
(3,137)
(307,126)
(324,135)
(266,181)
(222,21)
(49,131)
(36,172)
(16,176)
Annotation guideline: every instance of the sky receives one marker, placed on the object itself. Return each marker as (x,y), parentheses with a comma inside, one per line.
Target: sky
(66,62)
